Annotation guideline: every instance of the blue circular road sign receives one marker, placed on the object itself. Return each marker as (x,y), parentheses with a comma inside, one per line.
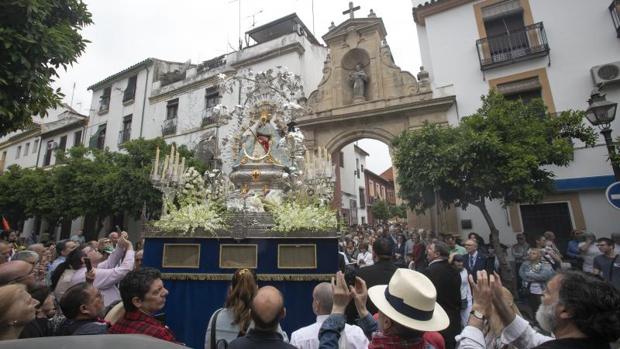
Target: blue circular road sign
(613,195)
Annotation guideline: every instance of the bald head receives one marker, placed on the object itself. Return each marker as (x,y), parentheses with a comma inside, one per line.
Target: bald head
(267,308)
(17,272)
(323,299)
(38,248)
(114,237)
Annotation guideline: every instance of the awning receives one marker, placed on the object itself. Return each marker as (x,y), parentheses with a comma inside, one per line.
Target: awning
(92,142)
(583,183)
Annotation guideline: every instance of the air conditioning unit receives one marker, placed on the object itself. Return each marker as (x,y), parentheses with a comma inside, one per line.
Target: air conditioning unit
(52,145)
(606,73)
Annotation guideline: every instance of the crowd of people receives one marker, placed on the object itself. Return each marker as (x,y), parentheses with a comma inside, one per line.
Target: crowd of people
(395,289)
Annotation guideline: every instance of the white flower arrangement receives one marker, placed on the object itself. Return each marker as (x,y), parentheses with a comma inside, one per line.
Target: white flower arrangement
(292,217)
(189,219)
(193,192)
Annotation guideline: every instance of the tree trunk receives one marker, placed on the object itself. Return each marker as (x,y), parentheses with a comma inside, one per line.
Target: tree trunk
(506,274)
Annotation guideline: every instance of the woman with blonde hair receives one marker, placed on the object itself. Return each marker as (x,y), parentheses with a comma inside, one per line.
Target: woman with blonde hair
(234,320)
(17,308)
(535,273)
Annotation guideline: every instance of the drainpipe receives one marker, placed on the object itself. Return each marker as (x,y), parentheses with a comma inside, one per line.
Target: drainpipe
(39,151)
(146,82)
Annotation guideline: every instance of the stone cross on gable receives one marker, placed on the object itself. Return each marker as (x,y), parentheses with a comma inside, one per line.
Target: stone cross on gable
(351,10)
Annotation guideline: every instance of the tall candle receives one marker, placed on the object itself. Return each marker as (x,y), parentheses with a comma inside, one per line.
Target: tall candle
(156,166)
(165,168)
(178,158)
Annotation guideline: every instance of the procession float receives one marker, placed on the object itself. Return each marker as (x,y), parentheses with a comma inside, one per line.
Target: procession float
(267,208)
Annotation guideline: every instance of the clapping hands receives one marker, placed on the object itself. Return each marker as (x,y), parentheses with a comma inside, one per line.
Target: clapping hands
(487,293)
(123,241)
(342,295)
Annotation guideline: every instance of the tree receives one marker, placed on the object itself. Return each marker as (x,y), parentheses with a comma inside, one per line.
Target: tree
(398,211)
(502,152)
(37,37)
(88,182)
(381,210)
(12,188)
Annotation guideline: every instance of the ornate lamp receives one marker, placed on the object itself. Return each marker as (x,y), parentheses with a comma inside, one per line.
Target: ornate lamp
(601,113)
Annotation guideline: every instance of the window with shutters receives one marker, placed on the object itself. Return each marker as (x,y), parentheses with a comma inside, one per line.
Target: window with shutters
(77,138)
(130,91)
(104,100)
(63,143)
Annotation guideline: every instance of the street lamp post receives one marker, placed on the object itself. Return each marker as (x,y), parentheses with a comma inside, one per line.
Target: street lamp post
(601,113)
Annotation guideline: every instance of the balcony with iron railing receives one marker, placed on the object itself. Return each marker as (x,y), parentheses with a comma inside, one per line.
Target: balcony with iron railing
(169,127)
(529,42)
(209,118)
(124,136)
(614,10)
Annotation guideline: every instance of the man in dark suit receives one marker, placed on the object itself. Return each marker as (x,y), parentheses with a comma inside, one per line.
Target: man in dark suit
(447,281)
(475,260)
(381,272)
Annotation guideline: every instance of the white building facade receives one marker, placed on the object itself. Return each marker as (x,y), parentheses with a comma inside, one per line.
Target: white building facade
(526,49)
(353,184)
(156,98)
(174,100)
(23,147)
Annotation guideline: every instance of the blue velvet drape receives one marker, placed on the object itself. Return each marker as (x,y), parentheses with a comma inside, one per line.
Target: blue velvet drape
(191,303)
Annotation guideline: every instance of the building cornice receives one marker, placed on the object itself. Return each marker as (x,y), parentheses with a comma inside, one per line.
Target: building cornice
(433,7)
(121,74)
(64,128)
(293,47)
(378,107)
(18,138)
(208,81)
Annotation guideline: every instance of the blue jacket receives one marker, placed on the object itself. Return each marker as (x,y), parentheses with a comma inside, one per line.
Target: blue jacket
(329,334)
(572,250)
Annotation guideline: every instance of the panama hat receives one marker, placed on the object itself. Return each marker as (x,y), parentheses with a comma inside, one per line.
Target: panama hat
(410,300)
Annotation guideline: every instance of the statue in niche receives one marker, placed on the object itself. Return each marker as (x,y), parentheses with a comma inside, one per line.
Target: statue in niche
(358,79)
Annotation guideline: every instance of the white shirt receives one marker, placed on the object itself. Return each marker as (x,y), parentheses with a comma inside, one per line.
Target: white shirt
(308,337)
(465,290)
(366,257)
(588,256)
(519,334)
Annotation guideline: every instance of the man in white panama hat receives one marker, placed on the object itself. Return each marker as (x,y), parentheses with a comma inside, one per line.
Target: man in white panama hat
(408,315)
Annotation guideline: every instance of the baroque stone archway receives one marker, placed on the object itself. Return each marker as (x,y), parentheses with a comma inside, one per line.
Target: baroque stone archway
(364,94)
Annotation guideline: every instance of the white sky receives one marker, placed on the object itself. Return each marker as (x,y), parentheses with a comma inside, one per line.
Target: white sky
(126,32)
